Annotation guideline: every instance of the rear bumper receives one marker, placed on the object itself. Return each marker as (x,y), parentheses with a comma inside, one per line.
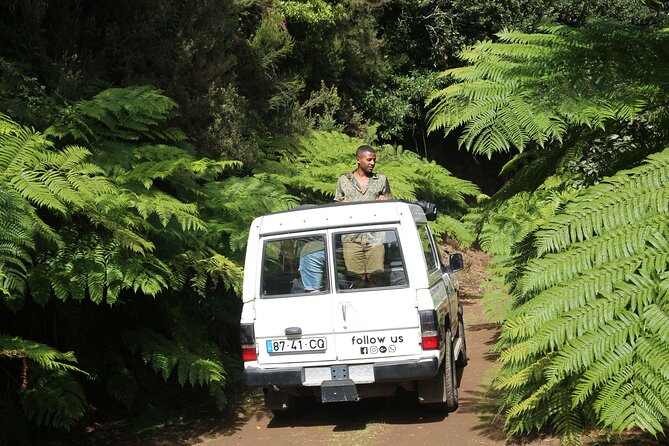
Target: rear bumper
(400,371)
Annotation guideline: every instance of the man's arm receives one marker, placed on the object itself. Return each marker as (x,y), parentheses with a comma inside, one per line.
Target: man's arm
(339,192)
(385,191)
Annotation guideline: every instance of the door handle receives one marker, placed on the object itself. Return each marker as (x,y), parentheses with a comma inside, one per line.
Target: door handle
(344,309)
(292,331)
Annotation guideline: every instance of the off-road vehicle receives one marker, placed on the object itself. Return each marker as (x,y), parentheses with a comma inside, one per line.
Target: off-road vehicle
(316,323)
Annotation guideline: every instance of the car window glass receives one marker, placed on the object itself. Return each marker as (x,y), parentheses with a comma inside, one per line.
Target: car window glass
(294,266)
(428,250)
(371,259)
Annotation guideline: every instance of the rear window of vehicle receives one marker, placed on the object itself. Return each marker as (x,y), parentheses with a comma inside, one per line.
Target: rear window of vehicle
(369,259)
(295,265)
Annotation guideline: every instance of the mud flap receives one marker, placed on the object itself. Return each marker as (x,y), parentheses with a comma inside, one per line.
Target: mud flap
(277,400)
(338,390)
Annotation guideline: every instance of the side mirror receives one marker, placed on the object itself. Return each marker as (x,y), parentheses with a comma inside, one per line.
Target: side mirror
(455,262)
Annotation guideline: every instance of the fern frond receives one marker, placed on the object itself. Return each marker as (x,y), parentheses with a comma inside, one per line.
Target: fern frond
(623,242)
(198,366)
(580,353)
(119,113)
(45,357)
(618,201)
(54,400)
(555,301)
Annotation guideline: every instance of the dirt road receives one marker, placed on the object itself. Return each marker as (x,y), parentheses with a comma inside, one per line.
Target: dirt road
(399,420)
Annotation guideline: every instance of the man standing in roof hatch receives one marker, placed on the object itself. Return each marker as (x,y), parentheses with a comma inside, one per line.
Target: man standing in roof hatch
(363,184)
(363,251)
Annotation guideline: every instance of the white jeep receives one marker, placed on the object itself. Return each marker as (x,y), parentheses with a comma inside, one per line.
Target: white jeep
(350,300)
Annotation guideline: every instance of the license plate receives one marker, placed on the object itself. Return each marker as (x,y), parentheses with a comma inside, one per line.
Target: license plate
(302,345)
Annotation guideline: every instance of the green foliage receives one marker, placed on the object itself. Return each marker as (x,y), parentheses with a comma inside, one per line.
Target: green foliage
(428,32)
(111,223)
(122,386)
(588,334)
(22,96)
(160,185)
(530,87)
(241,199)
(115,222)
(502,224)
(125,114)
(603,153)
(49,395)
(192,358)
(315,13)
(397,106)
(54,400)
(45,357)
(34,176)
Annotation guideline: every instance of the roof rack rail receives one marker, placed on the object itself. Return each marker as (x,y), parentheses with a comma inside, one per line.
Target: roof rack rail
(429,208)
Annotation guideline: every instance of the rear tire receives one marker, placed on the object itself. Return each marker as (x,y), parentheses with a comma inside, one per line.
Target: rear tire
(462,357)
(446,381)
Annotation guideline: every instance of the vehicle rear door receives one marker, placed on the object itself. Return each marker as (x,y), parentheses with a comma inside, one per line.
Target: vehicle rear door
(291,324)
(374,311)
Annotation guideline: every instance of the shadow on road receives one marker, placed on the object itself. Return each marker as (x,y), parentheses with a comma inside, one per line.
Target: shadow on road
(400,409)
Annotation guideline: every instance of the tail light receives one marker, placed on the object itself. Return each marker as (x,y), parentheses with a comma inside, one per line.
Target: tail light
(248,340)
(429,329)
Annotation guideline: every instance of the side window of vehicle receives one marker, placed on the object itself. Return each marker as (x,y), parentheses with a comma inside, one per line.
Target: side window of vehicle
(429,252)
(294,266)
(369,260)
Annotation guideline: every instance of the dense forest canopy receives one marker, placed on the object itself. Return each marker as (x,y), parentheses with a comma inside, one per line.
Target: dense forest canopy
(138,139)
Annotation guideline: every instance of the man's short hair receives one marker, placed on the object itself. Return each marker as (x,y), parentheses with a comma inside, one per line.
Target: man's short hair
(364,149)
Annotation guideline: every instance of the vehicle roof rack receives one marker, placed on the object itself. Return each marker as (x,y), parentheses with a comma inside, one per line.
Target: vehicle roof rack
(429,209)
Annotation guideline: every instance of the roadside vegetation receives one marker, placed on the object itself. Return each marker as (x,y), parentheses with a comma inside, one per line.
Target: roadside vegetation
(138,142)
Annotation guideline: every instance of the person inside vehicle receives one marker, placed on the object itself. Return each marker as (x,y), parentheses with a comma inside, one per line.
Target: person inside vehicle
(363,251)
(312,265)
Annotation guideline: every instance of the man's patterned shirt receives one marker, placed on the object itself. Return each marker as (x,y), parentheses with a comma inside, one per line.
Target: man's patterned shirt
(348,188)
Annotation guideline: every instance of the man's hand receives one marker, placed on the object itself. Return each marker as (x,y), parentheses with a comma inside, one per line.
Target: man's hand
(383,197)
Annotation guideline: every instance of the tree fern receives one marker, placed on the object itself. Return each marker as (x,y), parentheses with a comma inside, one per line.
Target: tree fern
(163,188)
(48,393)
(45,357)
(531,87)
(590,307)
(234,202)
